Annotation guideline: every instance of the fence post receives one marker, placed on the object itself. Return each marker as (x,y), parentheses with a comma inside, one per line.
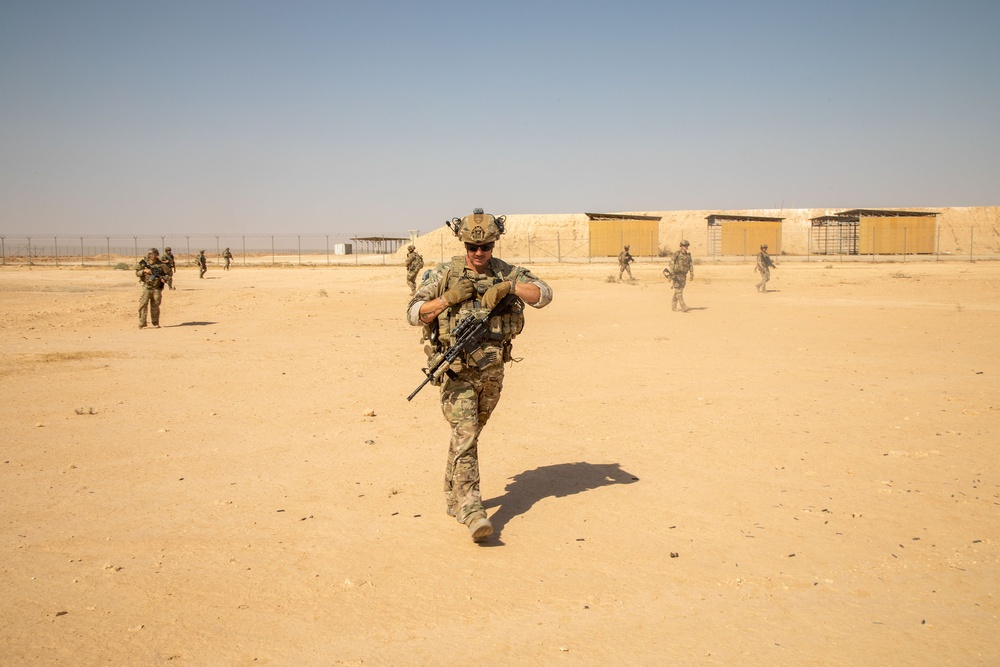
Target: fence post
(3,250)
(135,246)
(299,237)
(529,249)
(81,251)
(29,251)
(55,245)
(558,249)
(109,249)
(272,249)
(217,259)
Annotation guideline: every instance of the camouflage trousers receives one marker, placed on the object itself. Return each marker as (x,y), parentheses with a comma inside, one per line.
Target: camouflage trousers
(765,275)
(622,268)
(677,302)
(467,403)
(411,280)
(149,299)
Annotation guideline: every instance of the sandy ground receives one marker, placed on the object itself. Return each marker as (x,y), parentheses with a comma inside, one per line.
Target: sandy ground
(804,477)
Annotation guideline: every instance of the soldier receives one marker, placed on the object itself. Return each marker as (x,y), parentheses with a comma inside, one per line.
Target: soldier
(764,264)
(624,259)
(202,263)
(228,256)
(472,284)
(152,274)
(680,266)
(414,262)
(168,259)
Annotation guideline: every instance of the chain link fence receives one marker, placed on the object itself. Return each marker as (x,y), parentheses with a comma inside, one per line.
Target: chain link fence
(287,249)
(247,249)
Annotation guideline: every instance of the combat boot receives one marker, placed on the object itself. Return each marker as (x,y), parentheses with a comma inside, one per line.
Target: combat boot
(480,528)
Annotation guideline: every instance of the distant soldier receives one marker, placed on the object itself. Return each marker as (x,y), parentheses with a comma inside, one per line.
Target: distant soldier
(624,259)
(414,262)
(152,275)
(764,264)
(168,259)
(228,256)
(202,263)
(680,267)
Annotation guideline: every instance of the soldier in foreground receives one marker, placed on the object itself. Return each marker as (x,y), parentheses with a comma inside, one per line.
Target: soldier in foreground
(624,259)
(764,264)
(202,263)
(414,262)
(678,270)
(168,259)
(152,275)
(228,256)
(493,293)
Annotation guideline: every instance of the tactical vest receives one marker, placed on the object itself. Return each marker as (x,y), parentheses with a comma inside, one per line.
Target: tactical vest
(503,328)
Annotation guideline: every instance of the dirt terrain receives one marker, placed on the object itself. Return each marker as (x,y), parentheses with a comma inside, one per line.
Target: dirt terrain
(808,476)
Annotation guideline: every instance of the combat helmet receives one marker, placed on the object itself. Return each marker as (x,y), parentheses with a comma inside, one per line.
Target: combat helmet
(478,228)
(763,246)
(684,242)
(167,249)
(411,248)
(153,251)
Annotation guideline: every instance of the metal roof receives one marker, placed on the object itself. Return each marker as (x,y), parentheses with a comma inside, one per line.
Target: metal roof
(835,220)
(876,213)
(712,219)
(621,216)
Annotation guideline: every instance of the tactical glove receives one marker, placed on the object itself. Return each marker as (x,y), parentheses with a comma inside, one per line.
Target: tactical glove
(462,291)
(496,293)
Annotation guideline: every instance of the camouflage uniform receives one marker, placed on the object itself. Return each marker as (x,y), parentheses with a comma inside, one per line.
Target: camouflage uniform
(624,259)
(680,266)
(152,288)
(168,259)
(764,264)
(414,262)
(202,264)
(228,256)
(469,392)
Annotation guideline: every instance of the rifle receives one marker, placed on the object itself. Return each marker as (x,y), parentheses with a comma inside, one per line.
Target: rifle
(155,272)
(466,337)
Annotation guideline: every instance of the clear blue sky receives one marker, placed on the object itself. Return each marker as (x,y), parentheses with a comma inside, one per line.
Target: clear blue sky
(247,116)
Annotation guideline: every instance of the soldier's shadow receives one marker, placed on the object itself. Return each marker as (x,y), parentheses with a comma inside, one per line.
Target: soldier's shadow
(555,481)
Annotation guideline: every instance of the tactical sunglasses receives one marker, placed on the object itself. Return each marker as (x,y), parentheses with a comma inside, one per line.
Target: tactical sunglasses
(486,247)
